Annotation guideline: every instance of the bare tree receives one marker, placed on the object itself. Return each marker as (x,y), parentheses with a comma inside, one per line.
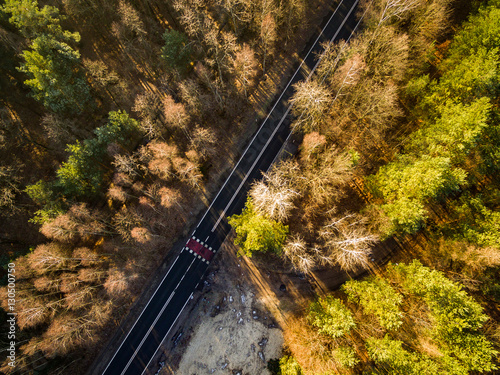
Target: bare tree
(158,156)
(9,187)
(245,68)
(214,85)
(351,71)
(175,115)
(128,164)
(268,36)
(191,93)
(149,107)
(239,12)
(46,284)
(312,144)
(141,235)
(69,282)
(187,171)
(376,108)
(32,312)
(302,258)
(192,17)
(386,54)
(274,195)
(348,242)
(117,284)
(50,257)
(310,105)
(117,193)
(67,332)
(79,298)
(92,275)
(293,16)
(205,141)
(221,49)
(397,8)
(130,27)
(170,198)
(78,223)
(62,131)
(325,174)
(123,222)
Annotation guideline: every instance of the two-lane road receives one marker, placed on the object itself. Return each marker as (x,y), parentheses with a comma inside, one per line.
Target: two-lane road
(153,325)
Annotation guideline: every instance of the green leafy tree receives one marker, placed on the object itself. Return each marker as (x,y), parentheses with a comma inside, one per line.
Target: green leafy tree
(457,316)
(378,298)
(83,173)
(474,76)
(120,129)
(476,220)
(394,358)
(482,31)
(256,232)
(407,184)
(331,317)
(346,356)
(455,133)
(453,310)
(33,21)
(46,195)
(55,78)
(289,366)
(177,51)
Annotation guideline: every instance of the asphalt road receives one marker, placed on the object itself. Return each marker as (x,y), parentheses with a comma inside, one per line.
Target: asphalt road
(135,353)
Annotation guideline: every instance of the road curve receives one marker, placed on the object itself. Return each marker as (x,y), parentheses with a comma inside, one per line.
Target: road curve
(139,347)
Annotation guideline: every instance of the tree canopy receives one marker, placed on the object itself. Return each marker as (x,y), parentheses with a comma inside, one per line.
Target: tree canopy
(255,232)
(331,317)
(55,76)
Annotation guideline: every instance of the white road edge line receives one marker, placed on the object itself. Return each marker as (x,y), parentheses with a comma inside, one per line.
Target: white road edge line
(227,179)
(251,168)
(314,69)
(155,321)
(269,114)
(164,337)
(277,127)
(142,312)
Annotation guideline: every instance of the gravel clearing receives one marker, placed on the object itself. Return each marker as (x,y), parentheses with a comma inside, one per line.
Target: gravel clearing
(226,328)
(236,340)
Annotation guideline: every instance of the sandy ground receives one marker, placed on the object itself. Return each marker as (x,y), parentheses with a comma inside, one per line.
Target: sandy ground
(227,328)
(234,323)
(241,337)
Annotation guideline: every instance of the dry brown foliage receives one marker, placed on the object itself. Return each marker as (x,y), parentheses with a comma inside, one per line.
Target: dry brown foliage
(117,284)
(312,350)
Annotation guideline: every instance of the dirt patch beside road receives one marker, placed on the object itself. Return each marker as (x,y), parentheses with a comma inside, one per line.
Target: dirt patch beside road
(234,324)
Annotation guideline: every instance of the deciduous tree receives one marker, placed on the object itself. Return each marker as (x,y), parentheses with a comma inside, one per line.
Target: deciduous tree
(274,194)
(255,232)
(378,298)
(55,77)
(245,68)
(310,105)
(302,258)
(348,242)
(331,317)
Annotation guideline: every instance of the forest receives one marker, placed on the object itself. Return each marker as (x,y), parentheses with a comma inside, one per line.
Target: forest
(119,120)
(398,132)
